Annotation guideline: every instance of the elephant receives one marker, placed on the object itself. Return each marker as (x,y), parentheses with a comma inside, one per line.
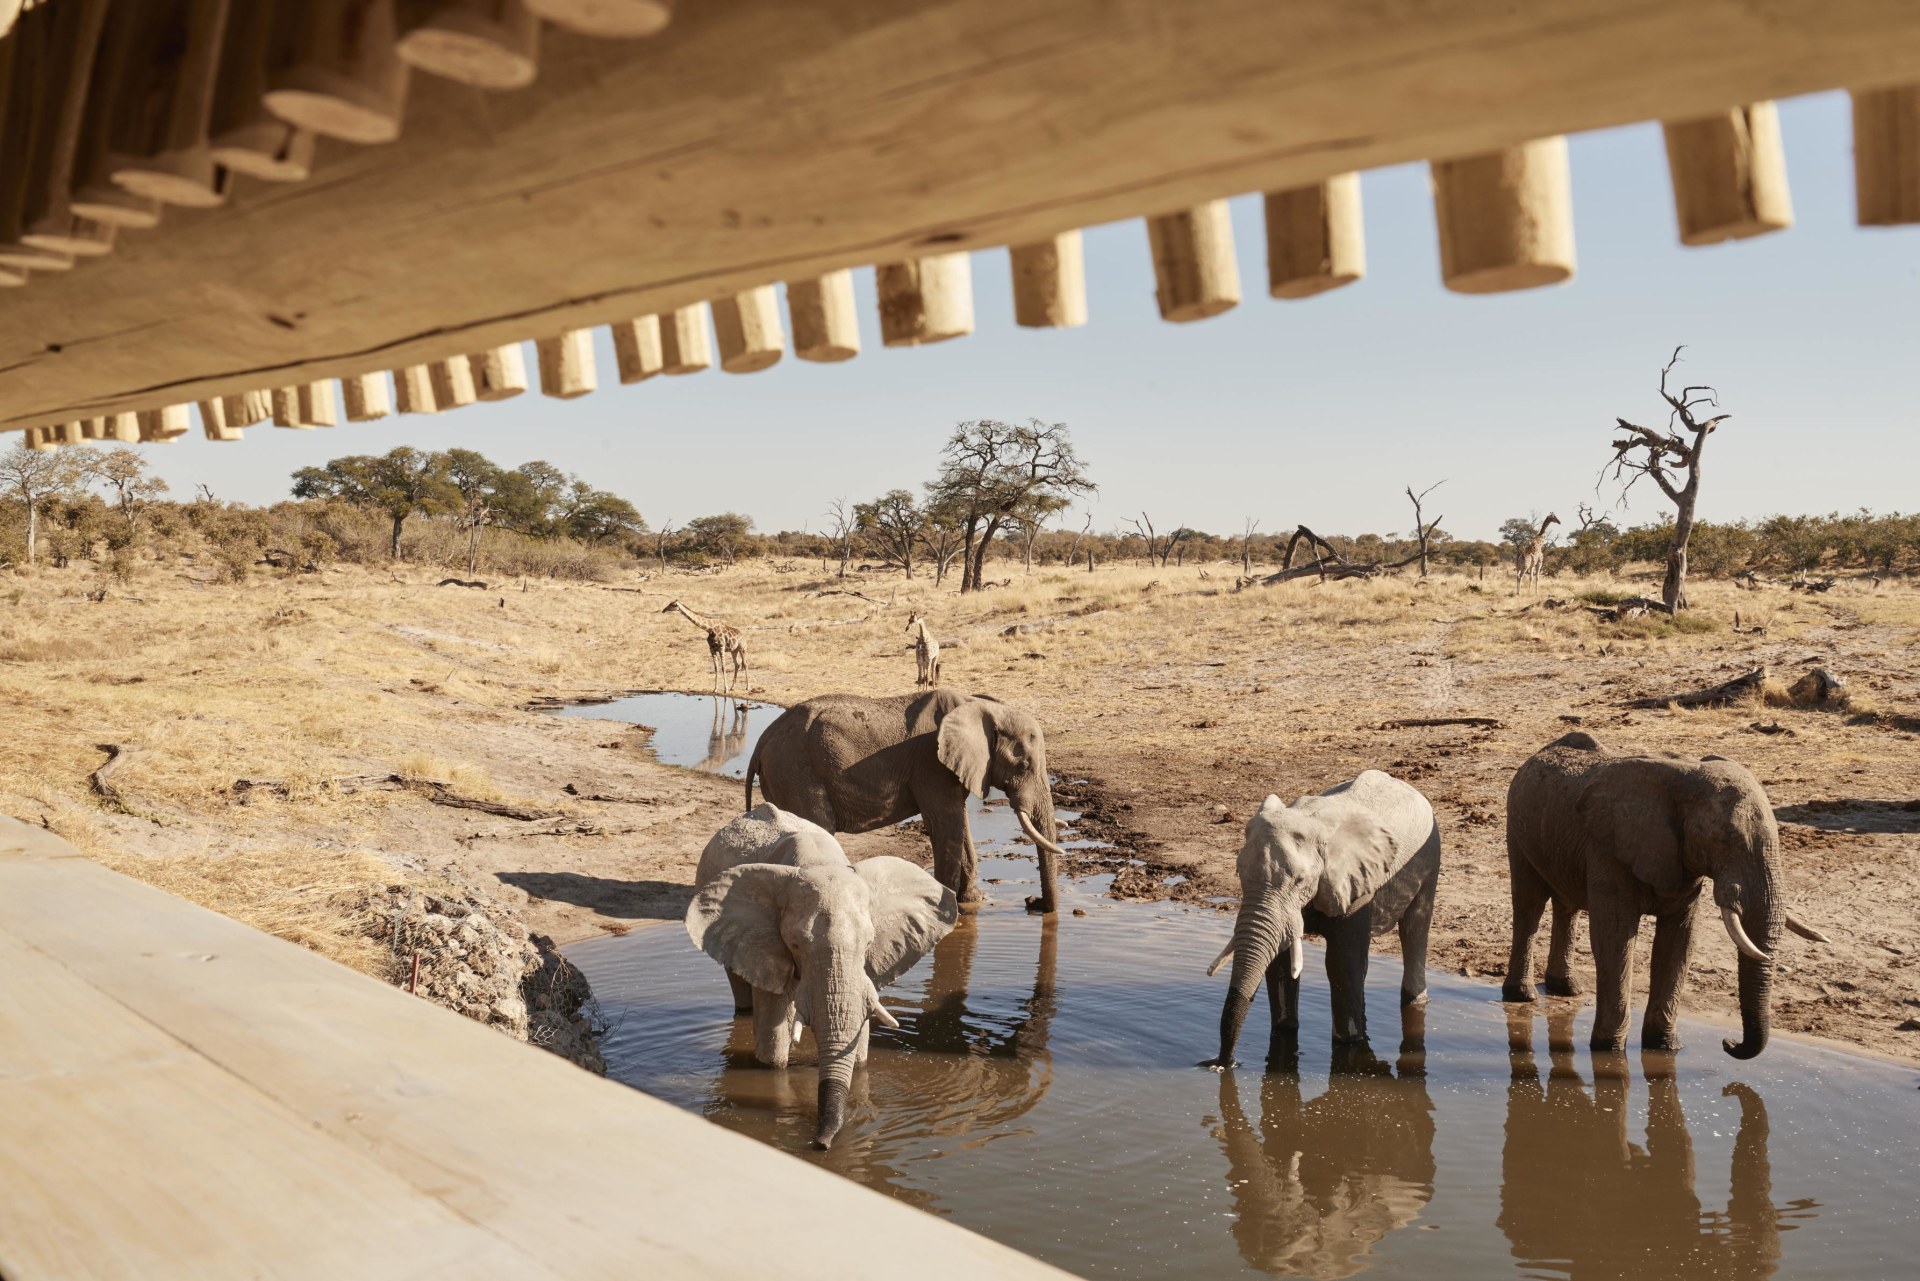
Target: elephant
(1347,864)
(1622,837)
(813,937)
(1321,1182)
(1579,1198)
(854,764)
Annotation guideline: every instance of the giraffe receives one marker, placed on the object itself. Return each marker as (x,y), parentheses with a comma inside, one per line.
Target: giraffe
(723,643)
(1531,557)
(925,649)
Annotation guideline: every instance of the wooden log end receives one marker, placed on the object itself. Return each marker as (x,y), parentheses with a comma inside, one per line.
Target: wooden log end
(80,238)
(827,352)
(321,101)
(190,179)
(1198,309)
(1312,286)
(468,46)
(1509,277)
(271,150)
(12,278)
(751,361)
(110,202)
(611,19)
(27,258)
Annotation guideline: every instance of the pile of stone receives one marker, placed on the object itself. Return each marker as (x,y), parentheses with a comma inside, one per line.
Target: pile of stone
(462,951)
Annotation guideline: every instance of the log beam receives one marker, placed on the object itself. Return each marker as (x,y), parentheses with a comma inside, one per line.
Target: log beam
(1505,218)
(826,327)
(595,195)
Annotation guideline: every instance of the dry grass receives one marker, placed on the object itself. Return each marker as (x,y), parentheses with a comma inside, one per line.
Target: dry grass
(1200,691)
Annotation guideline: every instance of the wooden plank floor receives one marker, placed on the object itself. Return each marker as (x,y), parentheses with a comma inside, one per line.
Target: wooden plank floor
(182,1096)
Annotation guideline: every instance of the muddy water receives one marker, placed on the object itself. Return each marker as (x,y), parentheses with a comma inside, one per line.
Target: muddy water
(701,731)
(1041,1090)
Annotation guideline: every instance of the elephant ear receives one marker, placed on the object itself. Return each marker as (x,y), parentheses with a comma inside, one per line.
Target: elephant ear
(965,744)
(736,921)
(1623,815)
(911,912)
(1361,856)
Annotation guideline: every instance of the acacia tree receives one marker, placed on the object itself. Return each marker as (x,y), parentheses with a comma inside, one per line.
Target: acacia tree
(35,475)
(894,523)
(478,481)
(124,471)
(399,482)
(991,470)
(1673,461)
(723,534)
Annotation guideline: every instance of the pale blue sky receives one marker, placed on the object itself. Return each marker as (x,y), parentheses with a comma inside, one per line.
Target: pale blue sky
(1319,411)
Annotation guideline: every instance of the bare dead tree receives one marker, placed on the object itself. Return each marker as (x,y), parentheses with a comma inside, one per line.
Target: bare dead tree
(1073,551)
(1159,548)
(1424,533)
(840,528)
(661,537)
(1673,461)
(1246,548)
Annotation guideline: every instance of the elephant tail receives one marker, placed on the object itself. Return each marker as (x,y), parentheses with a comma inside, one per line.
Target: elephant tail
(753,767)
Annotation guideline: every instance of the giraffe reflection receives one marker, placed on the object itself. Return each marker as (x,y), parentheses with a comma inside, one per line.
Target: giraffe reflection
(1580,1200)
(728,737)
(1321,1182)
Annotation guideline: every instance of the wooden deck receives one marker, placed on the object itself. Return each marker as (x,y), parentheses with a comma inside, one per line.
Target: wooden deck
(183,1096)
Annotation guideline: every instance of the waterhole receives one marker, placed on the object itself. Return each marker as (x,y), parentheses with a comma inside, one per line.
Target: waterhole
(1041,1090)
(702,731)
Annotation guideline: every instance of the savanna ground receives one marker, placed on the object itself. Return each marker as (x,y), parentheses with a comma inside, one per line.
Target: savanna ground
(1179,702)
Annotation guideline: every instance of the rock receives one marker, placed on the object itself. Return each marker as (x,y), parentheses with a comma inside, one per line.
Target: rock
(1911,1025)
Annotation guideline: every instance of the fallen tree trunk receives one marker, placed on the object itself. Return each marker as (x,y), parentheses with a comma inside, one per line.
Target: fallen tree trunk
(1752,685)
(461,582)
(432,789)
(1422,722)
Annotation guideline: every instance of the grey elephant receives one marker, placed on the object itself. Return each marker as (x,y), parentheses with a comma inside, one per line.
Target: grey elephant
(808,938)
(1354,861)
(1622,837)
(854,764)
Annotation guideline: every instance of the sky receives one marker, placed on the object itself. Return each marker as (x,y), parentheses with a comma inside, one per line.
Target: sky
(1319,411)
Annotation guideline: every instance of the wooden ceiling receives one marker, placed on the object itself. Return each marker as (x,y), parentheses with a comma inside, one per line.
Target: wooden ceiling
(759,141)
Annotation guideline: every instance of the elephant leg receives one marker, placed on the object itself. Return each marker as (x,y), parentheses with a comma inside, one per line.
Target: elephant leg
(1283,997)
(1672,941)
(956,864)
(1347,941)
(772,1027)
(742,993)
(1529,892)
(1611,926)
(1560,980)
(1415,924)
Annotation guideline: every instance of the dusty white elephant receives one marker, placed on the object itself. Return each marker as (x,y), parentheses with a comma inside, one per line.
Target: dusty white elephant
(809,938)
(1351,862)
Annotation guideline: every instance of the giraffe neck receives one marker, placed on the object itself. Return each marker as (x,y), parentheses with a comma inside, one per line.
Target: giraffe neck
(694,618)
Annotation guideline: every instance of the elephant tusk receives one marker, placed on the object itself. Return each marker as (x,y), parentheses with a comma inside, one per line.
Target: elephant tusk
(1221,959)
(1296,959)
(1033,834)
(878,1012)
(1804,930)
(1737,932)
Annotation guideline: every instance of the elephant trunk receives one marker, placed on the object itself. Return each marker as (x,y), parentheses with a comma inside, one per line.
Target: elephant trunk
(1756,915)
(1267,925)
(1034,810)
(842,1006)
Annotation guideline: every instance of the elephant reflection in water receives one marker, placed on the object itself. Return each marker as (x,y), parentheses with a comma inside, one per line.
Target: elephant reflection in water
(1578,1196)
(1321,1182)
(728,736)
(951,1071)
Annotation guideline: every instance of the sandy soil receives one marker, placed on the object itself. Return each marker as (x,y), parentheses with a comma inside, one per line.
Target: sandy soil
(1178,703)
